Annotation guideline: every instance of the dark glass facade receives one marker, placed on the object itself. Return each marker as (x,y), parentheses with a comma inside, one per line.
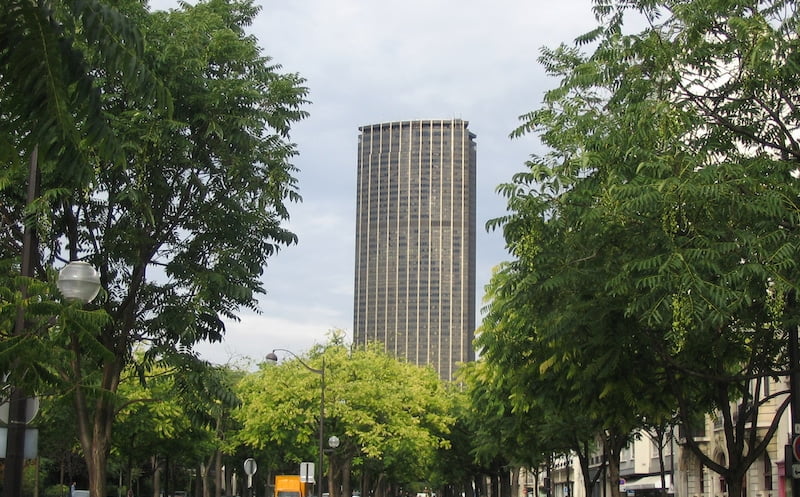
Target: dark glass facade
(415,241)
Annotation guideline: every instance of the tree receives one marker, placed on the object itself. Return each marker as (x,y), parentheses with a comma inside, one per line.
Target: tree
(59,461)
(456,472)
(182,228)
(567,372)
(175,417)
(390,416)
(51,111)
(150,423)
(502,435)
(661,226)
(209,399)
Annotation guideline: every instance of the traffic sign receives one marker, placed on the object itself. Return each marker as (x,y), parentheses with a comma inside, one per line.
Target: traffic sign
(250,466)
(796,448)
(307,472)
(795,470)
(31,408)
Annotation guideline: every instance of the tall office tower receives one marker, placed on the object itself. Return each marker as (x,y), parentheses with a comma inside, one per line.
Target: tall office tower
(415,241)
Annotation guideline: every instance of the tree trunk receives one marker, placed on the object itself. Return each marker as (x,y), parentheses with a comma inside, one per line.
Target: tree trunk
(61,478)
(332,472)
(346,488)
(156,477)
(506,484)
(366,481)
(735,487)
(662,441)
(589,479)
(95,425)
(496,485)
(218,474)
(381,487)
(204,478)
(95,438)
(198,482)
(613,445)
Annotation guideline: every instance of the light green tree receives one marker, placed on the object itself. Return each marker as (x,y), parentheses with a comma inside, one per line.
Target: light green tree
(176,418)
(390,416)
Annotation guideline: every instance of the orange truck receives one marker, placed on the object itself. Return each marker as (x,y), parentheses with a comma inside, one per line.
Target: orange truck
(289,486)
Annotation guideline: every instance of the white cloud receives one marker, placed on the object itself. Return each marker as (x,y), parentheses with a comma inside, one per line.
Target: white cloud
(248,341)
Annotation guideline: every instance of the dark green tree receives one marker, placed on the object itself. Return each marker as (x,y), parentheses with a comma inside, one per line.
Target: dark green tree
(49,53)
(181,224)
(659,232)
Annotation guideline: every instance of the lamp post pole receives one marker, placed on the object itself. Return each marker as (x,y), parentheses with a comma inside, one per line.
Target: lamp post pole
(77,281)
(794,388)
(17,403)
(274,358)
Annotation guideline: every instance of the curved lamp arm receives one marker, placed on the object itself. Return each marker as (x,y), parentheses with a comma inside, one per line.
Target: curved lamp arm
(271,357)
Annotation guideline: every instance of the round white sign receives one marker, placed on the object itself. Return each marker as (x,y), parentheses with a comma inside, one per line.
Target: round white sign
(250,466)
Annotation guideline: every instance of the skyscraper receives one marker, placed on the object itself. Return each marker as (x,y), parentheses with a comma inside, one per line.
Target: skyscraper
(415,241)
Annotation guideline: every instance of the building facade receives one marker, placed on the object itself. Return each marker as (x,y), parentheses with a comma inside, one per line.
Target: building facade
(649,469)
(415,241)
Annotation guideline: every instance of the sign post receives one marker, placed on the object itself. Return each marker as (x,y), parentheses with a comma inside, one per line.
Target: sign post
(250,468)
(796,457)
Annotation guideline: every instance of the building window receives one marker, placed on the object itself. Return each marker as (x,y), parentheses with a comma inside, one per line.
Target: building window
(767,472)
(702,479)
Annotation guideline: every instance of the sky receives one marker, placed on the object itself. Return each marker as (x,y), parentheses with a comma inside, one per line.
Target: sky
(373,61)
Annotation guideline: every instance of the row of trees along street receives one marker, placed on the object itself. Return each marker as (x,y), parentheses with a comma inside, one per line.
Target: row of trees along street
(654,246)
(179,431)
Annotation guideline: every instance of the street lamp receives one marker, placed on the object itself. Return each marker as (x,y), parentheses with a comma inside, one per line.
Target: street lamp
(333,442)
(274,358)
(78,282)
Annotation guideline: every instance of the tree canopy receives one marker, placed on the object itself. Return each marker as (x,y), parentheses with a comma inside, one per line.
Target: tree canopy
(180,224)
(48,53)
(390,416)
(655,244)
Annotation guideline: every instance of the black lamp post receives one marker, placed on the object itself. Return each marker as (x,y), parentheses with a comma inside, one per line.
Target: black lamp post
(333,444)
(77,282)
(274,358)
(84,285)
(15,434)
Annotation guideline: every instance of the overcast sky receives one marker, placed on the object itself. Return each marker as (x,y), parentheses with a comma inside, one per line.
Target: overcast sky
(372,61)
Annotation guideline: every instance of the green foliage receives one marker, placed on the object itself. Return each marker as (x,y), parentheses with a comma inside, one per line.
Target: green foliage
(184,407)
(45,325)
(655,243)
(48,97)
(391,416)
(179,207)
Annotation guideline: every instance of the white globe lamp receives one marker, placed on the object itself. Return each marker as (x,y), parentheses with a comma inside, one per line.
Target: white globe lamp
(78,281)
